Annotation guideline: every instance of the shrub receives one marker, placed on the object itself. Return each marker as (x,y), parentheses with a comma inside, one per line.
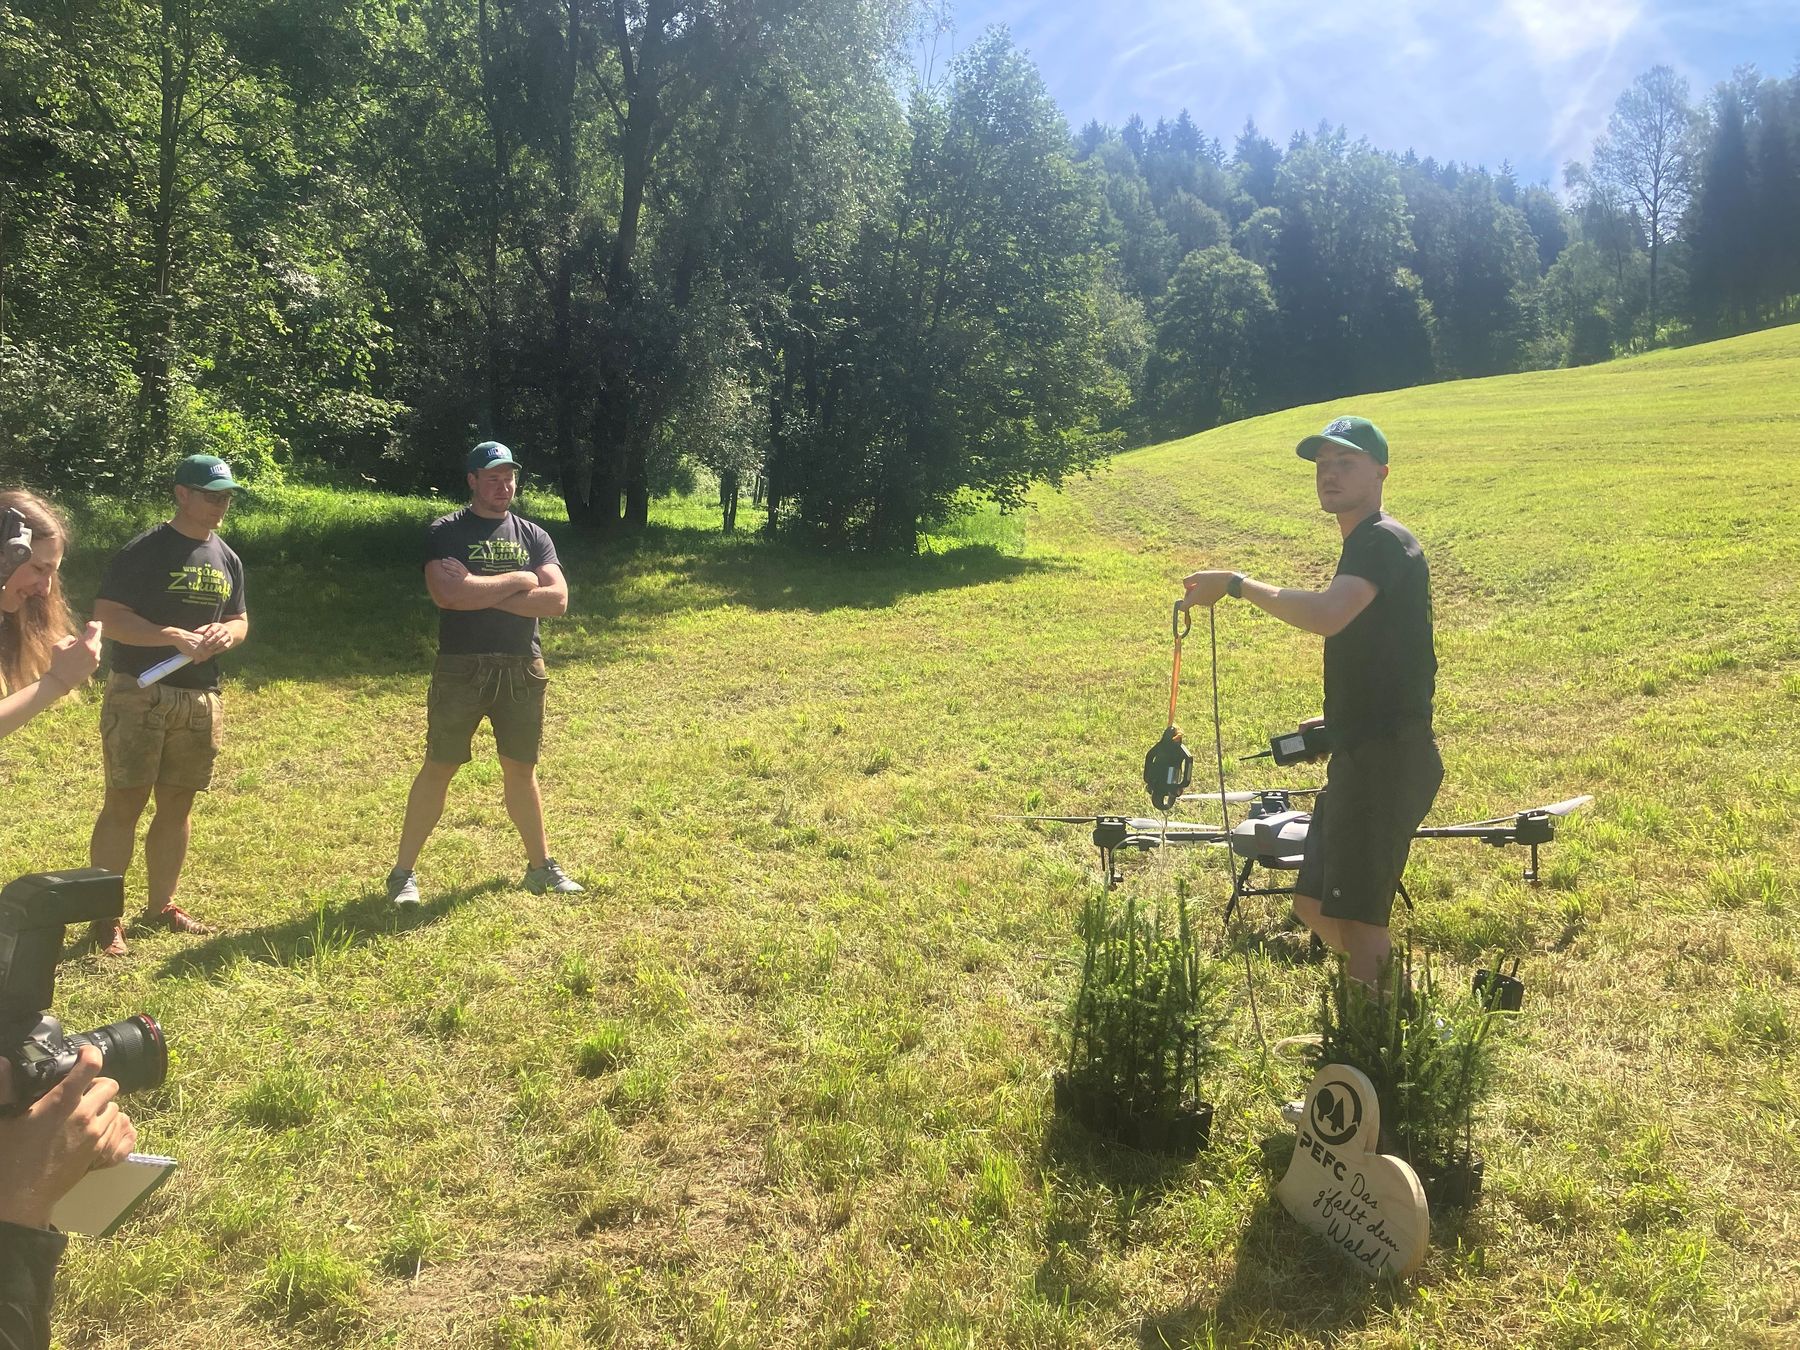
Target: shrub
(1143,1026)
(1428,1053)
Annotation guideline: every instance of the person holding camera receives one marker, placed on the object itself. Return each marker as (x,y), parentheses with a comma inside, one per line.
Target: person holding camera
(76,1126)
(1380,680)
(45,1150)
(40,658)
(175,590)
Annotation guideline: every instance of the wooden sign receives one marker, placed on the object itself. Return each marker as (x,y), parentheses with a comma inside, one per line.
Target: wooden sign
(1365,1203)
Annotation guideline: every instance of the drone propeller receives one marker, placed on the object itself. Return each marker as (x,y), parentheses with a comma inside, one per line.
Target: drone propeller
(1561,808)
(1253,795)
(1136,824)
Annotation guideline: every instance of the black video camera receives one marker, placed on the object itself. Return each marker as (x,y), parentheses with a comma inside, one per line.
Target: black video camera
(33,911)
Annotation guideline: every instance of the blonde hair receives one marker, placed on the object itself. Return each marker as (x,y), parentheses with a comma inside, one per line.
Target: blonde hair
(27,636)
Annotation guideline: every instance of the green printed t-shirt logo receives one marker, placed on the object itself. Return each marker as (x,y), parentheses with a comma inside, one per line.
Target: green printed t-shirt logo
(200,584)
(493,556)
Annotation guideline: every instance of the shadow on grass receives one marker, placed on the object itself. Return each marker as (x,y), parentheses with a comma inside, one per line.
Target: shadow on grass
(1285,1282)
(345,600)
(1133,1183)
(323,931)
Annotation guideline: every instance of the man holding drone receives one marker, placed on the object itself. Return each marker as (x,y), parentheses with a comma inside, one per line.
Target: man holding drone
(1380,678)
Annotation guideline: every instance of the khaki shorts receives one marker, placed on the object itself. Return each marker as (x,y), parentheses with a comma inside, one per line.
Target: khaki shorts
(507,690)
(160,736)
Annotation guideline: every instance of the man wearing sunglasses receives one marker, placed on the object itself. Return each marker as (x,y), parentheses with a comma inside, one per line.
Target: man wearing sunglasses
(175,591)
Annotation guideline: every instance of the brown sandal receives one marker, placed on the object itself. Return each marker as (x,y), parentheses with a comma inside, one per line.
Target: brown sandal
(177,920)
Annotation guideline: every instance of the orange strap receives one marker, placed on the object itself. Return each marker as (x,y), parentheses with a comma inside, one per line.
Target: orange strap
(1181,622)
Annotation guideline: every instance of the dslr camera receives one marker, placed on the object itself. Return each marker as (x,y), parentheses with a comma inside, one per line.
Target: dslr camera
(33,911)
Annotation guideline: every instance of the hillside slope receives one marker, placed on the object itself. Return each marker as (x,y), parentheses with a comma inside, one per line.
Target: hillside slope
(781,1078)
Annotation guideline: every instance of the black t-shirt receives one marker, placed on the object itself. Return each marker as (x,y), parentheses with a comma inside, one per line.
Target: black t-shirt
(1381,669)
(487,548)
(174,582)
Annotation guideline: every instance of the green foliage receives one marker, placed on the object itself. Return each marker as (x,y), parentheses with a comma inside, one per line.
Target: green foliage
(604,1049)
(1216,329)
(1430,1054)
(284,1098)
(975,359)
(1144,1024)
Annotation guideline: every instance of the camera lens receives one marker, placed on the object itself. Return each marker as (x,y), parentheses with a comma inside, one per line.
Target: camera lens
(133,1052)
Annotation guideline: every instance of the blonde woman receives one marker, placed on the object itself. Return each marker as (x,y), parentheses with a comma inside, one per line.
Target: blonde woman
(40,658)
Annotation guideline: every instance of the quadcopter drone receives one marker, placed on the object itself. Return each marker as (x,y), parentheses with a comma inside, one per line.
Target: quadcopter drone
(1272,836)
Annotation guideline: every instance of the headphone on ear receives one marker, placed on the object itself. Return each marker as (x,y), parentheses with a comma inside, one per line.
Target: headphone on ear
(15,540)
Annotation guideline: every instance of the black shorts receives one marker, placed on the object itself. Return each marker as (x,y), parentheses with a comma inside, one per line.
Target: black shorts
(1376,794)
(507,690)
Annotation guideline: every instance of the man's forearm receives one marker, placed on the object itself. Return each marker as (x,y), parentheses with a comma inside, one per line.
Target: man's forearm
(133,629)
(540,602)
(1306,610)
(473,592)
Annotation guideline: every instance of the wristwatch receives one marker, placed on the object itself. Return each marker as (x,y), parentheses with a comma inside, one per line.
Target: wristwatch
(1235,587)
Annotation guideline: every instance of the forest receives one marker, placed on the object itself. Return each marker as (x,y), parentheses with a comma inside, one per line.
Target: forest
(762,241)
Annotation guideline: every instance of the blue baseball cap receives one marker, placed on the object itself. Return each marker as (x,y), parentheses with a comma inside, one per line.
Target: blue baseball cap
(490,455)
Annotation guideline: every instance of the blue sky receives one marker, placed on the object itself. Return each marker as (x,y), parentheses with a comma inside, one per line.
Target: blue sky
(1527,80)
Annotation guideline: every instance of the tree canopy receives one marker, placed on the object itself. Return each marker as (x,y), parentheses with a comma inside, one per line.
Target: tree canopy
(350,237)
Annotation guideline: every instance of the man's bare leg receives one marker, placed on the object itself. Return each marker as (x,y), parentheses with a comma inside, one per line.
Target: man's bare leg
(166,844)
(525,804)
(110,847)
(1310,912)
(115,830)
(424,805)
(1366,950)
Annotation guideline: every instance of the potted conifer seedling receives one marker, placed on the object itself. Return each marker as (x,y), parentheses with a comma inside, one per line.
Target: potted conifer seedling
(1142,1027)
(1431,1058)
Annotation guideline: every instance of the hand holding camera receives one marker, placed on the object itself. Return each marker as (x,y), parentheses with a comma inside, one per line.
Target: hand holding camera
(58,1119)
(70,1130)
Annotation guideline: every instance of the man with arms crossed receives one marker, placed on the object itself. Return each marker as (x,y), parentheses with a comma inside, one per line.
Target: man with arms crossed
(1380,678)
(175,589)
(492,575)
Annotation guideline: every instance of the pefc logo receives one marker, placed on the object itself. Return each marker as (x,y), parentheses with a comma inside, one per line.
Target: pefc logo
(1337,1112)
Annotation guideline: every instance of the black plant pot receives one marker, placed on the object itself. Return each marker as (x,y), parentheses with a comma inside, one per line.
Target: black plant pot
(1182,1133)
(1504,992)
(1454,1183)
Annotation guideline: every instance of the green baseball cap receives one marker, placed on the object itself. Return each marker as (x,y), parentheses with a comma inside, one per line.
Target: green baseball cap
(1353,433)
(490,455)
(208,472)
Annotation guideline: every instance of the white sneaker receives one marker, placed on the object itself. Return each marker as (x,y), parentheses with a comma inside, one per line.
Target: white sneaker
(403,886)
(551,877)
(1292,1113)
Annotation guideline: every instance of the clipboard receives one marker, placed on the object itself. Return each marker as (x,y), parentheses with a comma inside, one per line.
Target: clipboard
(103,1199)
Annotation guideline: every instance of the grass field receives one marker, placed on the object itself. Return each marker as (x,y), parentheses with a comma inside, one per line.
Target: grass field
(781,1077)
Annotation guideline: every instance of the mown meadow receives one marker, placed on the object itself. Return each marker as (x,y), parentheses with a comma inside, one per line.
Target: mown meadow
(782,1076)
